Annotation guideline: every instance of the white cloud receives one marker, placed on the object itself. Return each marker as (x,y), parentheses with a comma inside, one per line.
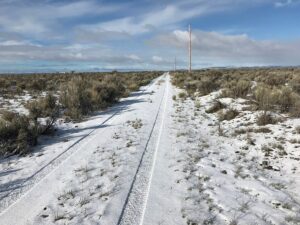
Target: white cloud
(134,57)
(168,16)
(157,59)
(13,43)
(215,48)
(284,3)
(36,18)
(24,23)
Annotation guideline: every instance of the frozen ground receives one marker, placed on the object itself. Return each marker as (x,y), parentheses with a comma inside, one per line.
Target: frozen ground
(15,104)
(155,161)
(87,174)
(236,173)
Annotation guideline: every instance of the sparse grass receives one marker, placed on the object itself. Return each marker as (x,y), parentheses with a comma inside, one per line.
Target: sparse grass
(197,105)
(244,206)
(239,172)
(233,222)
(83,201)
(254,130)
(129,144)
(220,130)
(136,124)
(293,219)
(278,186)
(59,216)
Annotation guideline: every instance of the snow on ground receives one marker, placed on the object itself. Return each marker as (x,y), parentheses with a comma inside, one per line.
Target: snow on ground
(16,104)
(235,173)
(152,160)
(84,175)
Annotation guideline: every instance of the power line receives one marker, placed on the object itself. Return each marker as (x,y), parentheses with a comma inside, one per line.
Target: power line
(175,64)
(190,49)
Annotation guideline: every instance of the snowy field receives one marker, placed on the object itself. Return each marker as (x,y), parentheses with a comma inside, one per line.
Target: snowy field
(236,171)
(154,159)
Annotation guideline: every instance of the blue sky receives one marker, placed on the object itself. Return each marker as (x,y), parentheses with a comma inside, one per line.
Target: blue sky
(52,35)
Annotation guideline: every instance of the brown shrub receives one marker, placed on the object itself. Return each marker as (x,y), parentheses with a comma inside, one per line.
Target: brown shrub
(228,114)
(265,118)
(76,98)
(237,89)
(295,109)
(17,135)
(217,105)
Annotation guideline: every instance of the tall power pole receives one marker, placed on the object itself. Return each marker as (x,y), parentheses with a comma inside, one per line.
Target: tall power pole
(175,62)
(190,49)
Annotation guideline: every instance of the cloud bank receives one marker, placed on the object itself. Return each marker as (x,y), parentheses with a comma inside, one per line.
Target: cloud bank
(137,35)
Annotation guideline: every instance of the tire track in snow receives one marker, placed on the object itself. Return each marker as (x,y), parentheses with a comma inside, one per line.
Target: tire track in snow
(16,193)
(135,205)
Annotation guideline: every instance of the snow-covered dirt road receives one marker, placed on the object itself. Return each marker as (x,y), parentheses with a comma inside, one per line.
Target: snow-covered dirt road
(102,171)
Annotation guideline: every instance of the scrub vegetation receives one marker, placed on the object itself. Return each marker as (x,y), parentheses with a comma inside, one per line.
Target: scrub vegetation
(242,138)
(47,97)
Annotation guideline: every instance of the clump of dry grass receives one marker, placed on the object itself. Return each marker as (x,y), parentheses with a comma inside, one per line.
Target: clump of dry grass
(217,105)
(228,114)
(182,95)
(254,130)
(297,129)
(265,118)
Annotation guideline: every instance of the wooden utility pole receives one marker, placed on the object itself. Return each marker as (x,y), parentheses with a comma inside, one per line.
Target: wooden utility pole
(190,49)
(175,62)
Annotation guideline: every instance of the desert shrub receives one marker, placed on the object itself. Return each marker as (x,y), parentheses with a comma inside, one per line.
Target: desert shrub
(83,95)
(7,115)
(76,98)
(207,85)
(107,92)
(295,84)
(297,129)
(79,94)
(237,89)
(265,118)
(295,110)
(203,82)
(45,107)
(286,99)
(182,95)
(264,97)
(38,85)
(228,114)
(133,87)
(217,105)
(17,135)
(282,99)
(272,78)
